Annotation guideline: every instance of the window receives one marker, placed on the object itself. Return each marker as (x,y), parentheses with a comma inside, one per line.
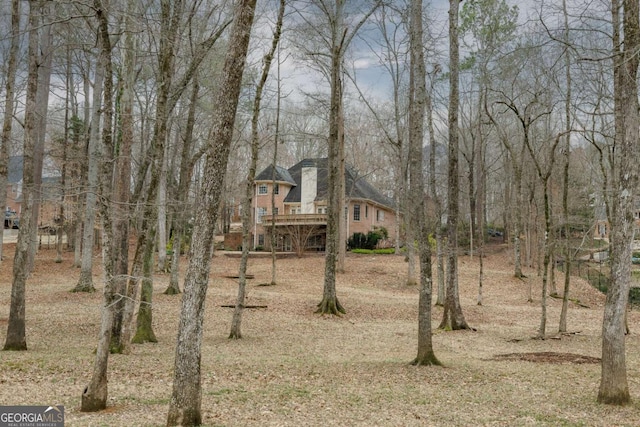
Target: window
(260,239)
(261,212)
(276,188)
(379,215)
(275,211)
(262,189)
(322,210)
(356,212)
(366,211)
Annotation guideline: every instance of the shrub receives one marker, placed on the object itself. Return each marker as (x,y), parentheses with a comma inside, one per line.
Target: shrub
(369,240)
(386,251)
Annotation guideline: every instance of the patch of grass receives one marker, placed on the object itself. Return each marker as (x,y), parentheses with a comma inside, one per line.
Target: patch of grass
(16,366)
(385,251)
(550,419)
(221,392)
(291,392)
(158,401)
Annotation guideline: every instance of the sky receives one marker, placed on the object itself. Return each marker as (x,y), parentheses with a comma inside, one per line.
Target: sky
(372,77)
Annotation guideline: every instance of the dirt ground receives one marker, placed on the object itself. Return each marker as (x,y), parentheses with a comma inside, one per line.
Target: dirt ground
(295,368)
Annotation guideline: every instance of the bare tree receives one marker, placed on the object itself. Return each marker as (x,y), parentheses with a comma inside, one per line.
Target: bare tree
(12,66)
(274,160)
(85,281)
(417,99)
(328,51)
(171,18)
(452,317)
(433,190)
(185,405)
(187,162)
(544,167)
(122,191)
(236,320)
(42,104)
(94,396)
(614,388)
(170,91)
(16,328)
(562,327)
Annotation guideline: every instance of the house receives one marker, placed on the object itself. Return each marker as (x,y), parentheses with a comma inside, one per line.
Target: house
(299,212)
(50,192)
(602,227)
(14,185)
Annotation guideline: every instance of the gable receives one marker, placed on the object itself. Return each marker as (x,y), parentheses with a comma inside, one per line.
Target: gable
(356,187)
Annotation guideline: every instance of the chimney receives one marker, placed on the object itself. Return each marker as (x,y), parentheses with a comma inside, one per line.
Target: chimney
(309,189)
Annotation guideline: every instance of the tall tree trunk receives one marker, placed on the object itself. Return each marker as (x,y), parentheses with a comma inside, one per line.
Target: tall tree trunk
(343,202)
(122,192)
(433,187)
(60,221)
(274,161)
(171,16)
(614,388)
(85,282)
(144,321)
(330,303)
(517,220)
(94,396)
(162,216)
(186,398)
(417,99)
(83,167)
(547,257)
(236,321)
(5,138)
(453,318)
(42,105)
(410,233)
(186,170)
(12,66)
(565,180)
(16,329)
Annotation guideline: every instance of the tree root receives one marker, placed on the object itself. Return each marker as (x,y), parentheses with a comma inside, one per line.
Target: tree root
(427,360)
(144,335)
(84,287)
(330,306)
(172,290)
(620,398)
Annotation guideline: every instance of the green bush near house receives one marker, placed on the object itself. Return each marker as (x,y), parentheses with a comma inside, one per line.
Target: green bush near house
(369,240)
(386,251)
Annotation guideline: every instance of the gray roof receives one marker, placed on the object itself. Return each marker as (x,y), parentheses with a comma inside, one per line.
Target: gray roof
(282,175)
(356,187)
(295,193)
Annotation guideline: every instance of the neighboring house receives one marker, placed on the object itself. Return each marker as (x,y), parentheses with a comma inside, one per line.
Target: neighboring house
(602,228)
(50,191)
(300,209)
(14,185)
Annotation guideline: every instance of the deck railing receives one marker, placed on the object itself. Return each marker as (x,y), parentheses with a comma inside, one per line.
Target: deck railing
(294,219)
